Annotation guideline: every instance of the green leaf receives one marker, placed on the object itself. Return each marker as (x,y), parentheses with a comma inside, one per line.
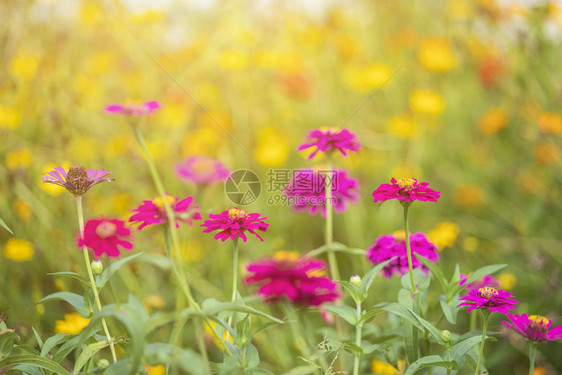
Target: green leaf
(251,357)
(53,341)
(414,319)
(7,340)
(34,360)
(162,318)
(37,338)
(449,311)
(3,224)
(430,361)
(481,272)
(74,299)
(212,306)
(410,341)
(369,314)
(460,349)
(302,370)
(369,348)
(75,276)
(114,267)
(370,276)
(259,371)
(435,270)
(189,361)
(345,312)
(352,348)
(88,353)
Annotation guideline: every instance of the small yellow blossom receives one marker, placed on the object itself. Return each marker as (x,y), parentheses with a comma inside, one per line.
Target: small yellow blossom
(468,194)
(444,234)
(200,142)
(507,280)
(383,368)
(435,54)
(9,118)
(209,332)
(52,189)
(402,127)
(22,209)
(72,324)
(153,301)
(91,13)
(286,255)
(155,370)
(272,149)
(18,250)
(24,65)
(18,159)
(368,78)
(233,60)
(550,122)
(494,120)
(547,153)
(426,101)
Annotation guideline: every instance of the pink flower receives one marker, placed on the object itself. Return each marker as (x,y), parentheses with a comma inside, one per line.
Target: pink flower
(300,280)
(307,190)
(490,299)
(406,190)
(153,212)
(233,223)
(394,246)
(105,236)
(533,327)
(202,170)
(133,108)
(329,139)
(77,180)
(487,280)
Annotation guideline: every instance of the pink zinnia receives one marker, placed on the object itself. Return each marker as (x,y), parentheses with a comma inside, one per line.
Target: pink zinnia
(489,298)
(487,280)
(105,236)
(329,139)
(533,327)
(202,170)
(133,108)
(153,212)
(307,190)
(77,180)
(394,246)
(233,223)
(406,190)
(300,280)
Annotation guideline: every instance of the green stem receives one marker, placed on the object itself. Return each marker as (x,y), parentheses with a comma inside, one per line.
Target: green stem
(329,232)
(480,355)
(358,328)
(80,212)
(448,356)
(234,279)
(532,352)
(408,248)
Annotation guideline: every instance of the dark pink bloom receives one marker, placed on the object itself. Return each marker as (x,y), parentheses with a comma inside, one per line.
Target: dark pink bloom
(394,246)
(487,280)
(105,236)
(233,223)
(153,212)
(407,190)
(307,190)
(489,298)
(77,180)
(329,139)
(301,281)
(202,170)
(533,327)
(133,109)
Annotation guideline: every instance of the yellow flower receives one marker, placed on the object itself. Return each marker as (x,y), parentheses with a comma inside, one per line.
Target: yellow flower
(383,368)
(507,280)
(22,209)
(291,256)
(266,59)
(18,159)
(547,153)
(233,60)
(290,62)
(118,146)
(494,120)
(201,142)
(402,127)
(155,370)
(550,122)
(209,332)
(468,195)
(24,65)
(18,250)
(173,115)
(368,78)
(459,9)
(272,148)
(153,300)
(426,101)
(91,13)
(72,324)
(435,54)
(444,234)
(52,189)
(405,170)
(9,118)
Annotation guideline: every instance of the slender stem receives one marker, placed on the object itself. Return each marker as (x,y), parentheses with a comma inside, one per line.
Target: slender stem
(358,328)
(408,249)
(532,351)
(80,213)
(329,232)
(486,317)
(234,279)
(448,356)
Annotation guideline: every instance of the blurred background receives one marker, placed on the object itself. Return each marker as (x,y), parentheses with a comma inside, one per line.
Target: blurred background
(463,94)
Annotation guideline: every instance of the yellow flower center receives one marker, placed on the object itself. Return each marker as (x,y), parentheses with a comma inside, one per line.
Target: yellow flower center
(159,202)
(106,229)
(539,319)
(286,256)
(235,213)
(203,165)
(399,235)
(405,182)
(329,129)
(487,292)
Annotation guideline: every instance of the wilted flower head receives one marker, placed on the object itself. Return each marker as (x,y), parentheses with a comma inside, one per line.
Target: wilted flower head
(300,280)
(307,190)
(233,223)
(405,190)
(133,108)
(202,170)
(106,236)
(490,299)
(77,180)
(482,282)
(330,139)
(533,327)
(394,246)
(153,212)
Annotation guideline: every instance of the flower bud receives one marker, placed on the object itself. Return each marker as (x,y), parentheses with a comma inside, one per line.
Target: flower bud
(97,267)
(103,364)
(445,335)
(355,280)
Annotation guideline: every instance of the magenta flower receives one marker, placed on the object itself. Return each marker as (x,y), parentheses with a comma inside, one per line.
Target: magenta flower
(307,190)
(301,280)
(487,280)
(133,108)
(77,180)
(405,190)
(330,139)
(490,299)
(202,170)
(233,223)
(533,327)
(153,212)
(106,236)
(394,246)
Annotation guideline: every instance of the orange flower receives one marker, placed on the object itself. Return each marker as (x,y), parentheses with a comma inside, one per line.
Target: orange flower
(550,122)
(546,153)
(494,120)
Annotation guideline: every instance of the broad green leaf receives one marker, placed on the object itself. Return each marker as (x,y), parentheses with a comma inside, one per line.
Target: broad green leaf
(352,348)
(34,360)
(53,341)
(449,311)
(430,361)
(74,299)
(75,276)
(114,267)
(435,270)
(345,312)
(7,340)
(460,349)
(3,224)
(369,314)
(88,353)
(251,356)
(28,349)
(370,276)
